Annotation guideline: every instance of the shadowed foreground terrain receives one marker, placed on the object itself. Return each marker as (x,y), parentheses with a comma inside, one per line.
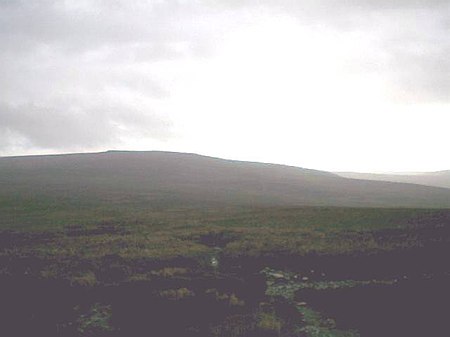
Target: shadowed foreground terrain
(261,272)
(161,244)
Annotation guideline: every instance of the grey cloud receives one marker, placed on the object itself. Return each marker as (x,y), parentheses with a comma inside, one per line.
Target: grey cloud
(421,75)
(410,40)
(76,28)
(62,67)
(63,62)
(74,128)
(332,5)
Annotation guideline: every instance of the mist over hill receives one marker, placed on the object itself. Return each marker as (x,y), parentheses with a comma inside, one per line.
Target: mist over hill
(171,180)
(437,179)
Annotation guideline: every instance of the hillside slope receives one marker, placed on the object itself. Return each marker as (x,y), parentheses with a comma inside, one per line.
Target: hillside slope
(165,179)
(437,179)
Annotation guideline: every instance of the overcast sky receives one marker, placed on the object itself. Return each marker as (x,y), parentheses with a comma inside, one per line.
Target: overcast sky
(361,85)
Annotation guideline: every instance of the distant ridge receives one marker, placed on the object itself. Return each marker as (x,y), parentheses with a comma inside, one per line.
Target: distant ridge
(437,179)
(169,179)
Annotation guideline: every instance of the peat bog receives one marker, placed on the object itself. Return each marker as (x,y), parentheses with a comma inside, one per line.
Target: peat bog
(278,272)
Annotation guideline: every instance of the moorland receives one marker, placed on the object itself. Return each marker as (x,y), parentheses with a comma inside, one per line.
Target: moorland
(169,244)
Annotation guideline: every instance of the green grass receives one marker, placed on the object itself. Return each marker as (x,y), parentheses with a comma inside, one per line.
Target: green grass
(154,235)
(314,325)
(92,247)
(102,222)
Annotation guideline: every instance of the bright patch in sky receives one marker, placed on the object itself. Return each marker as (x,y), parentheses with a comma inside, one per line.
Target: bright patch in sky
(362,86)
(280,92)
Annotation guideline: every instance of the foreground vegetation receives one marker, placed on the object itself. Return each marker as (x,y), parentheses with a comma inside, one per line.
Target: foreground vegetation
(197,235)
(115,274)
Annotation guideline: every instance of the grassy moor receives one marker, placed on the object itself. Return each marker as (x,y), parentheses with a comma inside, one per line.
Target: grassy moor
(138,244)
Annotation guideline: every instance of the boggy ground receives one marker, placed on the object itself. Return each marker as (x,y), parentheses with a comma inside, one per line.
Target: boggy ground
(408,307)
(191,307)
(340,271)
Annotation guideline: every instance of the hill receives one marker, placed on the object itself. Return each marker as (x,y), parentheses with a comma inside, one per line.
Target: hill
(142,243)
(437,179)
(85,185)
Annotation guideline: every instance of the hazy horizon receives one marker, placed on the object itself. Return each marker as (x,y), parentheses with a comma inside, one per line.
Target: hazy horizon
(231,159)
(358,86)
